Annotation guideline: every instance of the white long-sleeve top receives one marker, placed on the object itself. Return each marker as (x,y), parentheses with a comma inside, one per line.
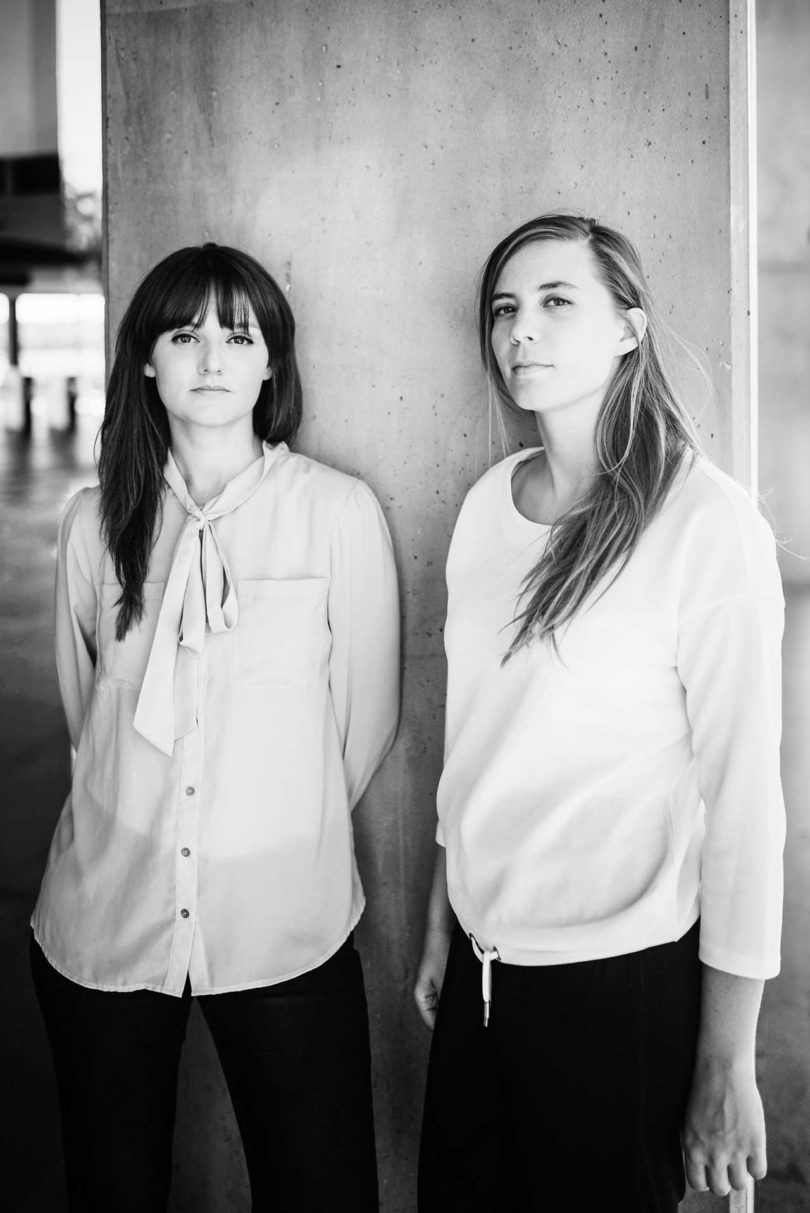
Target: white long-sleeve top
(223,743)
(596,802)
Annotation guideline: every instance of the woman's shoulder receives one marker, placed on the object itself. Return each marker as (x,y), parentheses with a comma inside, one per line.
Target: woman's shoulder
(716,524)
(323,484)
(704,493)
(82,513)
(80,535)
(492,481)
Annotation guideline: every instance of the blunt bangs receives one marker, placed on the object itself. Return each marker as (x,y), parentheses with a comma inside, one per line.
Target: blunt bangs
(179,291)
(187,303)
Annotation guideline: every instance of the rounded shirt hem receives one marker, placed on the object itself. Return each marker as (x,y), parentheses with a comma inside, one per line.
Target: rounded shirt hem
(195,993)
(525,958)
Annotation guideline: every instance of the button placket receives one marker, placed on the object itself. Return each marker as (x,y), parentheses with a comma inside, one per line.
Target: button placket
(188,810)
(187,819)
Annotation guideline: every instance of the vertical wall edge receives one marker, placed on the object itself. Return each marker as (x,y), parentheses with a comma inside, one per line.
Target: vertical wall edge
(743,228)
(105,217)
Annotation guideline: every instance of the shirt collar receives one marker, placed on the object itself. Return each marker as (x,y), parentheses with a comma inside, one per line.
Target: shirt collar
(199,596)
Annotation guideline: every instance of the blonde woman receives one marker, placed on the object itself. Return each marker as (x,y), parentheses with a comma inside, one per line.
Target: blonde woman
(607,894)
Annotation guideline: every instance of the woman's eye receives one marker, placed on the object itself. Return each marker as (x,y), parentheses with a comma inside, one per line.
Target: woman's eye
(557,301)
(502,309)
(241,339)
(183,338)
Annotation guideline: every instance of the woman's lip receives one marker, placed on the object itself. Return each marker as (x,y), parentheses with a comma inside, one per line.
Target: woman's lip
(518,367)
(207,388)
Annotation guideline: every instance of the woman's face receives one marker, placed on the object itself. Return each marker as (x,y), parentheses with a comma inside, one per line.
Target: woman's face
(557,335)
(209,376)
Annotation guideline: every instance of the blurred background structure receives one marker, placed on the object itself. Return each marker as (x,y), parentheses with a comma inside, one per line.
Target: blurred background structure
(51,304)
(371,156)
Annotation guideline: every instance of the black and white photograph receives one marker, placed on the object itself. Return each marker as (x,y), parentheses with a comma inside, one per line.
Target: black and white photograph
(405,606)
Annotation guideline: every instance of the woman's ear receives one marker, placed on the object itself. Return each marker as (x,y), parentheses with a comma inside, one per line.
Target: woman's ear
(635,326)
(149,371)
(268,374)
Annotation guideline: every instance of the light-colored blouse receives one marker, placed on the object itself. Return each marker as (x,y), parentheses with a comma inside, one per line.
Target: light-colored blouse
(596,801)
(221,746)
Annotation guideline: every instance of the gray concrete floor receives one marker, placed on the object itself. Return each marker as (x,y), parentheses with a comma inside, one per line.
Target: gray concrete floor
(36,478)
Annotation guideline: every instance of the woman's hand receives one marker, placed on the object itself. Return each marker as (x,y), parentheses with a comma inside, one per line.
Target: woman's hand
(438,932)
(430,975)
(724,1130)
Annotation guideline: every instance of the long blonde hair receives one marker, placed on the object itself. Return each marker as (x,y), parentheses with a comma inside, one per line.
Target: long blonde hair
(643,433)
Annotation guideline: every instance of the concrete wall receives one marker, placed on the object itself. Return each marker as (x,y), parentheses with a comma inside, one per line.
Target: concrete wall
(371,154)
(783,120)
(28,75)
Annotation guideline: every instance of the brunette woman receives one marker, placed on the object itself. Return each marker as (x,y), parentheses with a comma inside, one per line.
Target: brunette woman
(227,642)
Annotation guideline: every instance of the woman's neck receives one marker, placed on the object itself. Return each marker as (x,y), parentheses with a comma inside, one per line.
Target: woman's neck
(548,486)
(209,460)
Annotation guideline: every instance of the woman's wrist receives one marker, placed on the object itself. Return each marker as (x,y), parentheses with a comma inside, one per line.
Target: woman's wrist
(724,1058)
(438,933)
(728,1023)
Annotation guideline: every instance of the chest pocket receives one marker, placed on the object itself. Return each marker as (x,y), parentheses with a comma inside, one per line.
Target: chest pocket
(282,634)
(124,661)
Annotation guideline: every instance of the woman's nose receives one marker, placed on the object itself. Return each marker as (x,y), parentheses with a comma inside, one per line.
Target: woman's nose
(524,328)
(210,358)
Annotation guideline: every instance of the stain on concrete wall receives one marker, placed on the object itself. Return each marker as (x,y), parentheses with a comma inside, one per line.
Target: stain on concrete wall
(371,154)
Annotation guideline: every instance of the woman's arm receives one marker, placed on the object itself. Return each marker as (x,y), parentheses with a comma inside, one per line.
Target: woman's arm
(724,1128)
(75,617)
(730,629)
(364,622)
(438,930)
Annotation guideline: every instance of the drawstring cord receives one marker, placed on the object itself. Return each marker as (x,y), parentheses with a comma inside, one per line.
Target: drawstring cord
(486,956)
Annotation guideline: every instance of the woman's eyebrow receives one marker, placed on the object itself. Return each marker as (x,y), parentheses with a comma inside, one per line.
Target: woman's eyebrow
(553,286)
(544,286)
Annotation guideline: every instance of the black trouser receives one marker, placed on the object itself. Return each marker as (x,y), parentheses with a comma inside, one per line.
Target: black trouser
(297,1062)
(573,1097)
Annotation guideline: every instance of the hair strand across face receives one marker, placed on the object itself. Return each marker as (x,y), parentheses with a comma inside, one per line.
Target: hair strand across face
(643,434)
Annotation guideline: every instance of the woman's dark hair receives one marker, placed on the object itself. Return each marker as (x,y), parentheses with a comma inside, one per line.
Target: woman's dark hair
(134,437)
(643,433)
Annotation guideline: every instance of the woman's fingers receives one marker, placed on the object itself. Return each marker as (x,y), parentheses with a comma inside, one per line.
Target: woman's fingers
(717,1176)
(696,1175)
(721,1175)
(426,992)
(430,977)
(758,1162)
(738,1174)
(427,1006)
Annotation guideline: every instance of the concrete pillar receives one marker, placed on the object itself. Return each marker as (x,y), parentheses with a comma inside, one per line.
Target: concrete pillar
(371,154)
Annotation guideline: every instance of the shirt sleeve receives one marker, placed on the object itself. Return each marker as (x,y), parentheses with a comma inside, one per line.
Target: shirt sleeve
(729,661)
(364,622)
(75,612)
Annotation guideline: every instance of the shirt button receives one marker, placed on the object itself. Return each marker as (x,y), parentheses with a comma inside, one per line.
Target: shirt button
(186,852)
(189,790)
(184,913)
